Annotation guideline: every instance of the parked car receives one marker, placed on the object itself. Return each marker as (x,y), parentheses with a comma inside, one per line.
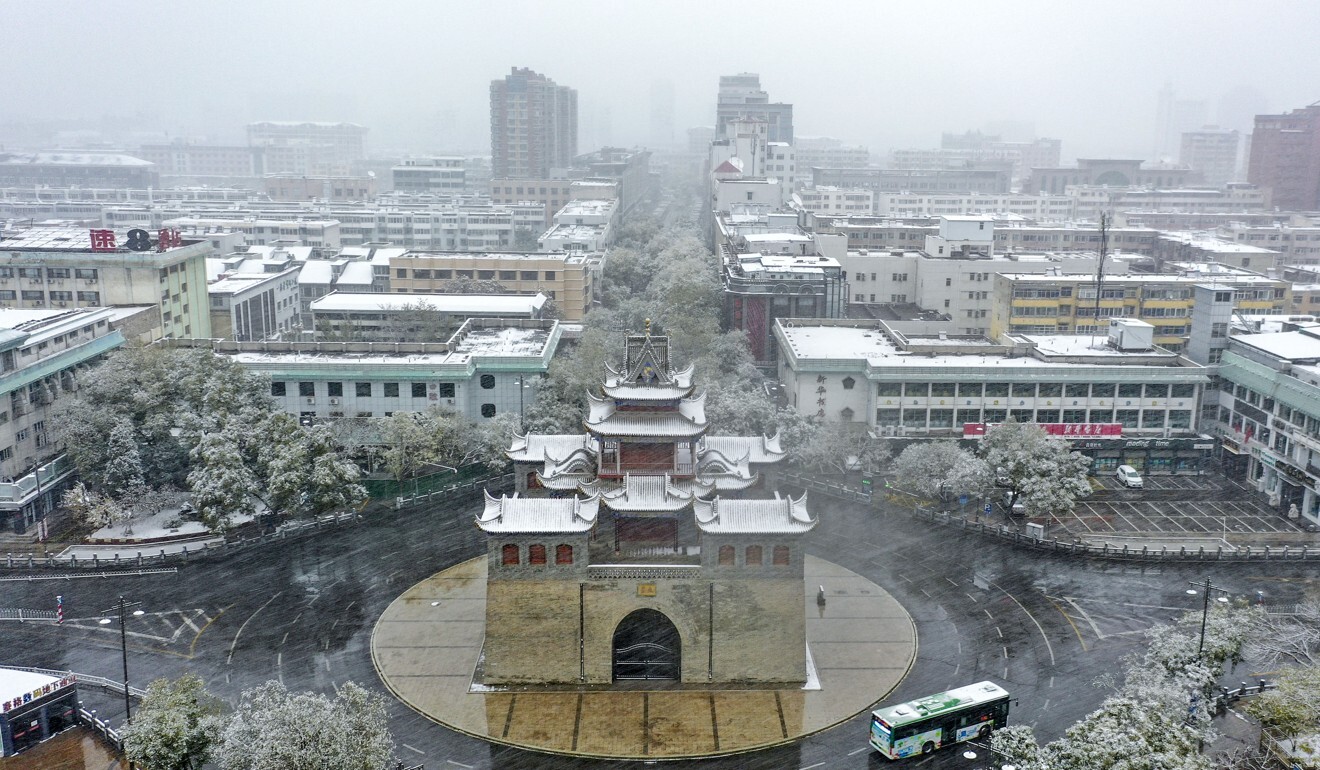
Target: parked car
(1019,508)
(1128,477)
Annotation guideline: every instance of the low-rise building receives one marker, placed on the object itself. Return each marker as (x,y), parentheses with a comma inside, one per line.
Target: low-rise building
(64,268)
(437,174)
(1204,247)
(1268,417)
(1068,304)
(43,353)
(253,298)
(1133,407)
(406,317)
(321,233)
(569,279)
(483,370)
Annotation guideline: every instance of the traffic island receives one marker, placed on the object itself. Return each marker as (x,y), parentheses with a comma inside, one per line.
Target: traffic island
(426,647)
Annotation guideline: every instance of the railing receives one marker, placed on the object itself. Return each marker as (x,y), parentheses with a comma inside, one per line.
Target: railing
(501,481)
(209,549)
(644,571)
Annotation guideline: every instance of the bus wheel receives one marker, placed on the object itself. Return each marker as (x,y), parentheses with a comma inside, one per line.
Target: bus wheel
(985,733)
(927,747)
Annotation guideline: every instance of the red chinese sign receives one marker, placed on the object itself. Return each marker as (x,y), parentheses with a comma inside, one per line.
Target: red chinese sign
(40,692)
(1114,429)
(168,238)
(103,240)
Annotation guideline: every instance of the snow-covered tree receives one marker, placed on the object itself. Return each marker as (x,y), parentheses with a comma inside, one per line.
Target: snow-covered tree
(222,485)
(175,726)
(1158,718)
(407,444)
(1029,463)
(1293,709)
(90,507)
(274,729)
(838,448)
(1292,639)
(306,476)
(940,468)
(123,467)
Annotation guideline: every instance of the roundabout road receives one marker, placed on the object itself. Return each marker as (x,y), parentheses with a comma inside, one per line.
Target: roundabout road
(1043,627)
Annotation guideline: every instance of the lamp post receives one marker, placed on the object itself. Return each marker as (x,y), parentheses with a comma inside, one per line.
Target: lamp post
(1206,587)
(122,608)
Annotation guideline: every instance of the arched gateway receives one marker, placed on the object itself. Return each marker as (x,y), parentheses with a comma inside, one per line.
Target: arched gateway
(647,646)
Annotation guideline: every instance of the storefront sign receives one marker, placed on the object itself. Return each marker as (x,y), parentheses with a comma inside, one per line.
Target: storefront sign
(1291,471)
(40,692)
(1114,429)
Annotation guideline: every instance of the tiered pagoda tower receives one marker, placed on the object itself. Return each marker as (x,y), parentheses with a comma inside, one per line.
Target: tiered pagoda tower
(635,550)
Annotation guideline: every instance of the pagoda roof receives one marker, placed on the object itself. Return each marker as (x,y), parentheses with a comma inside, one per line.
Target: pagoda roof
(725,473)
(534,515)
(782,515)
(646,493)
(617,385)
(539,447)
(756,449)
(689,421)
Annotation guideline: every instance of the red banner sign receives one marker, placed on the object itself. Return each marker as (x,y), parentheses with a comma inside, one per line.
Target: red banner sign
(1114,429)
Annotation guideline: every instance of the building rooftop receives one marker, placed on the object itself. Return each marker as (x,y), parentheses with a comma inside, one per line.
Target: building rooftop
(534,515)
(63,239)
(57,158)
(784,515)
(484,304)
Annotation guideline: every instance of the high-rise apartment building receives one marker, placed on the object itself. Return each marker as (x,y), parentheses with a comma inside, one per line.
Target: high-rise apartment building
(308,147)
(1285,157)
(1213,152)
(741,98)
(533,125)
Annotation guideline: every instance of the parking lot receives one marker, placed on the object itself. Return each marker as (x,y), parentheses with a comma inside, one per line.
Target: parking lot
(1181,506)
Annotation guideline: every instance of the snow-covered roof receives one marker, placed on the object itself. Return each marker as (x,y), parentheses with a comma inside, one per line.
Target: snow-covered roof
(316,271)
(356,273)
(782,515)
(482,304)
(688,422)
(756,449)
(646,493)
(532,515)
(1289,346)
(537,447)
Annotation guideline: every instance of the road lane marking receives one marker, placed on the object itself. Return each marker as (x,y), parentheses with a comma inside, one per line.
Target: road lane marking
(859,751)
(1048,647)
(234,643)
(209,621)
(410,748)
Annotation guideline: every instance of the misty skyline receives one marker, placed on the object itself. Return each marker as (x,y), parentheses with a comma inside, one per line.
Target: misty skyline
(887,76)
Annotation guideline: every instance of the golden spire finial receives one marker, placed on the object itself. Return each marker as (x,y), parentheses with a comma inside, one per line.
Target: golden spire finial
(648,327)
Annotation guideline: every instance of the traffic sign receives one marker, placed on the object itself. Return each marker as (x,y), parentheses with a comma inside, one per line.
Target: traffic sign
(987,508)
(962,500)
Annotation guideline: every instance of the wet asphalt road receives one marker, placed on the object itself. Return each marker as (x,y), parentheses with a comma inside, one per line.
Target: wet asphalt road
(1044,627)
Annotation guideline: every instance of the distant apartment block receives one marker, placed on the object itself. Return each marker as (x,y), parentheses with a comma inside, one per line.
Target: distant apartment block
(76,169)
(740,97)
(195,162)
(293,147)
(1107,172)
(431,175)
(987,178)
(1213,152)
(533,125)
(1285,158)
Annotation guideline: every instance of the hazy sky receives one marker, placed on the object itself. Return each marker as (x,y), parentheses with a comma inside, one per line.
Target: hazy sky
(884,74)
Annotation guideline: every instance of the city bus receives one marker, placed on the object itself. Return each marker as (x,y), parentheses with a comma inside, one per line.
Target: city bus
(925,724)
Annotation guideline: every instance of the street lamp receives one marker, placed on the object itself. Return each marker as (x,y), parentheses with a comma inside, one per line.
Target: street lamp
(1206,588)
(122,608)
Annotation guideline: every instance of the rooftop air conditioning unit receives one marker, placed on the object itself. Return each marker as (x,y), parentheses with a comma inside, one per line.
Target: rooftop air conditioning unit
(311,400)
(334,402)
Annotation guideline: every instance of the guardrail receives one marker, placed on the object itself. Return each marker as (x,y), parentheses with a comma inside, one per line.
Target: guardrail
(500,481)
(919,508)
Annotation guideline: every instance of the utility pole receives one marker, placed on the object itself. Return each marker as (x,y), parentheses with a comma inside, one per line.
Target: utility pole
(1100,265)
(121,607)
(1206,587)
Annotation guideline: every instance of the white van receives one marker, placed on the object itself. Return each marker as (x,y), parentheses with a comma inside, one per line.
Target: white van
(1128,477)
